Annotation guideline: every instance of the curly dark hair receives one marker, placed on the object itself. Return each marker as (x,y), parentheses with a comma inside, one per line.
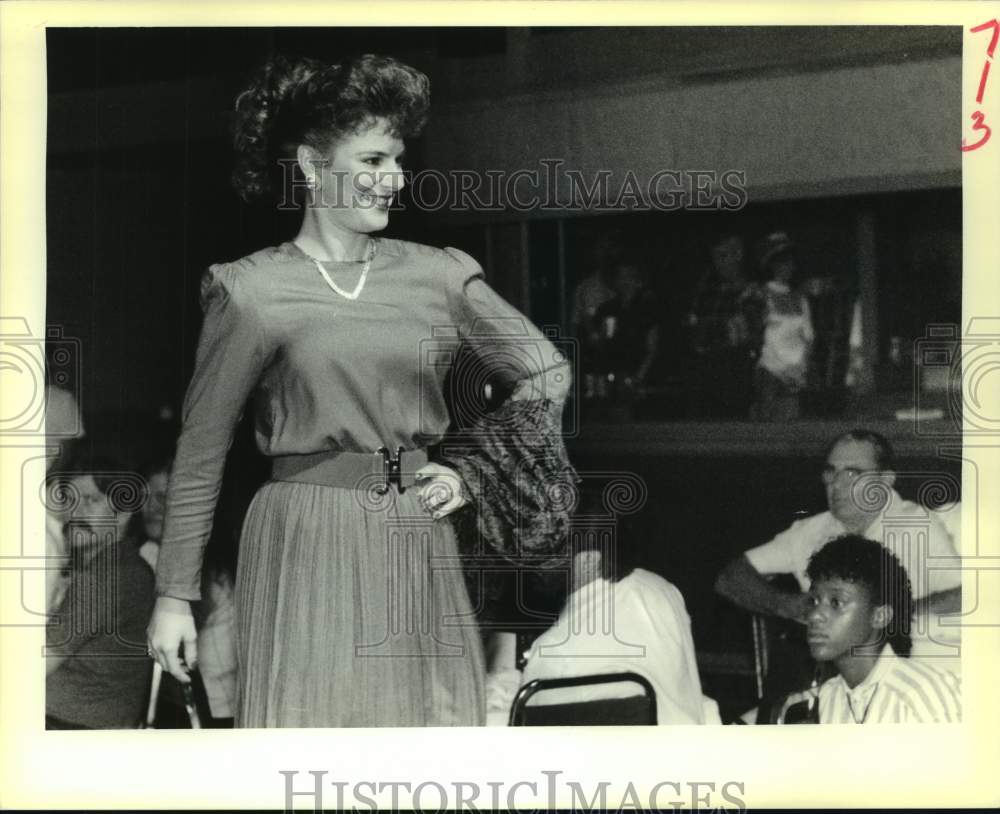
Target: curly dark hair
(297,101)
(856,559)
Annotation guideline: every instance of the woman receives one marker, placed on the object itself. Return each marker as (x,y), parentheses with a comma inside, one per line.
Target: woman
(351,610)
(787,334)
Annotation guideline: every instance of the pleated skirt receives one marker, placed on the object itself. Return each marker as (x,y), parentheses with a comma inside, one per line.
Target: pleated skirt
(352,611)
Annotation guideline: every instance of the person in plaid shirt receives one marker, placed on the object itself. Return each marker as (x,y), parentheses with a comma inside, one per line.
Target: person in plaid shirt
(723,336)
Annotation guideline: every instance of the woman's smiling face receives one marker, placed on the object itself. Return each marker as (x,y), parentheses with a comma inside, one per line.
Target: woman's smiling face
(358,178)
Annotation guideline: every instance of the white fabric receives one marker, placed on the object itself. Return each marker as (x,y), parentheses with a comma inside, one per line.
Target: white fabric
(57,552)
(217,649)
(897,690)
(150,553)
(62,414)
(787,335)
(950,516)
(638,624)
(911,532)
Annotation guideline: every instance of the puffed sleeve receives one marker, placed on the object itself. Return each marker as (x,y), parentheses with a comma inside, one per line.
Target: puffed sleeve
(512,460)
(506,341)
(228,363)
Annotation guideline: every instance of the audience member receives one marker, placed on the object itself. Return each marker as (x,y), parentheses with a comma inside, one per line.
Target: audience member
(613,623)
(97,670)
(860,612)
(590,294)
(867,505)
(722,336)
(628,331)
(157,477)
(867,510)
(217,646)
(63,423)
(787,338)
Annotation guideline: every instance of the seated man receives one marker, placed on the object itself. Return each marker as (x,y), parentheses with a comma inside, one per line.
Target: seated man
(608,624)
(859,620)
(97,670)
(869,507)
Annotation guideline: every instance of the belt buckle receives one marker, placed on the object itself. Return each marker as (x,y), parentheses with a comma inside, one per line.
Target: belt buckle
(392,470)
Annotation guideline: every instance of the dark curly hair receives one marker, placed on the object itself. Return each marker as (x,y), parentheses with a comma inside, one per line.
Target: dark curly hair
(305,101)
(856,559)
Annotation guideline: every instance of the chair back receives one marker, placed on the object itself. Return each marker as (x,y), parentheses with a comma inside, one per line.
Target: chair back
(635,710)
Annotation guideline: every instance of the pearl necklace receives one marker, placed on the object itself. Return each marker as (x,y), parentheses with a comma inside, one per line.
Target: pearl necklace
(350,295)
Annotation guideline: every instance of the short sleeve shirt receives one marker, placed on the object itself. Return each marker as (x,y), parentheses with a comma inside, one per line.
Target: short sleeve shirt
(911,532)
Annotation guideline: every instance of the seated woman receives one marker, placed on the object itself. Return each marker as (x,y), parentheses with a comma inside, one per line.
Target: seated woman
(862,608)
(612,623)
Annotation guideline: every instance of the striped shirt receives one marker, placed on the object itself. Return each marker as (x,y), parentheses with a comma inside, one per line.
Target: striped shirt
(896,691)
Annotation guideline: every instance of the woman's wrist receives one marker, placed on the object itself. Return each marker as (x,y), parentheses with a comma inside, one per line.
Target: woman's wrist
(172,604)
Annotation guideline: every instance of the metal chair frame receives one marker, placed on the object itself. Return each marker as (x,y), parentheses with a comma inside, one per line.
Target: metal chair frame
(518,708)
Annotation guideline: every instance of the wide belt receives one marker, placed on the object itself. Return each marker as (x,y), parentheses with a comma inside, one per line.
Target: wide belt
(380,470)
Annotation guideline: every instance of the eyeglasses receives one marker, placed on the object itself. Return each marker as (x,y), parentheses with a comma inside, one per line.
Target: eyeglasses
(832,473)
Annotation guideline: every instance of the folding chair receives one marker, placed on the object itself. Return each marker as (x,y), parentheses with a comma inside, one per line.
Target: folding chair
(636,710)
(761,651)
(154,698)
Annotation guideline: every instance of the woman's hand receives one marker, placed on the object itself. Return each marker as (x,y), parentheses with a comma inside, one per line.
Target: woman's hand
(170,629)
(441,491)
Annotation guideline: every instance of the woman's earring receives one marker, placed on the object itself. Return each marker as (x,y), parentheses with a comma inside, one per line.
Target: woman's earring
(312,185)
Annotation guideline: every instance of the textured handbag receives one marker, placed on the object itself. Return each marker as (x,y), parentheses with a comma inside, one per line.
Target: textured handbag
(522,486)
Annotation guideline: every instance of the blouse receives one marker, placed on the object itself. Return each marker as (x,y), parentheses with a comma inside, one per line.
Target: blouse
(896,691)
(324,373)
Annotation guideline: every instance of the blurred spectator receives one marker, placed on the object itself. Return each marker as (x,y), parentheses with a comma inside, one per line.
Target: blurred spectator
(97,670)
(217,646)
(722,338)
(787,334)
(590,294)
(629,333)
(63,423)
(157,477)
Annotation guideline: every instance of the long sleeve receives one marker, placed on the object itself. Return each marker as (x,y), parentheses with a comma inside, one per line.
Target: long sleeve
(513,460)
(229,361)
(507,342)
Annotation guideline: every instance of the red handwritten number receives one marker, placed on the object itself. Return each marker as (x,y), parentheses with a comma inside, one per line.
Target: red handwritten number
(978,119)
(982,82)
(978,124)
(993,40)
